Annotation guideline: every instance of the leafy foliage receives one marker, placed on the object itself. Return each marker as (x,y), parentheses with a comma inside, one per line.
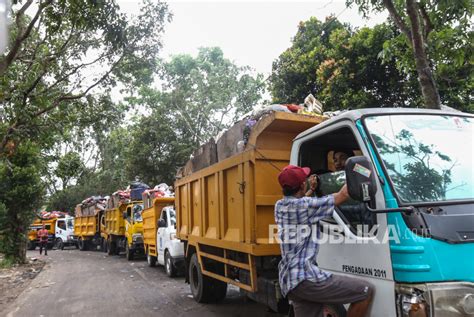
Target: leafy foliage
(434,41)
(21,192)
(55,59)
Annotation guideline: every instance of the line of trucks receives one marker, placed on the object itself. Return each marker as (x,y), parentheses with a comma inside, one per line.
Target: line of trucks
(220,227)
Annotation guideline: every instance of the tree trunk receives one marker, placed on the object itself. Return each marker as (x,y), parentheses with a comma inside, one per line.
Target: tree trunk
(425,75)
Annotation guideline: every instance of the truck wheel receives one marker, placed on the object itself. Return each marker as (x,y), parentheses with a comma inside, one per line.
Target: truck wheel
(334,310)
(220,290)
(31,245)
(110,250)
(103,245)
(128,253)
(59,244)
(201,285)
(169,267)
(82,244)
(150,259)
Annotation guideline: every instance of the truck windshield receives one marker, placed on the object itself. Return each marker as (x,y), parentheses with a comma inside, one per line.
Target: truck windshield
(428,157)
(137,212)
(172,216)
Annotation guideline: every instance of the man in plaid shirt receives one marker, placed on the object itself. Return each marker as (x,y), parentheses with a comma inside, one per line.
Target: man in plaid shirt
(306,285)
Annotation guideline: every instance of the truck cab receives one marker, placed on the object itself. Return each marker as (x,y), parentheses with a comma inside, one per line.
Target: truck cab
(170,248)
(409,227)
(60,232)
(134,230)
(64,232)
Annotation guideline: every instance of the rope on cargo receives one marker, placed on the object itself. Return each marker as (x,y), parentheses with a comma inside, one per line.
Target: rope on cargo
(264,157)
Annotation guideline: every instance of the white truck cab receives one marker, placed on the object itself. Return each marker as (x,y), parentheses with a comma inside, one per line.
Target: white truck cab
(170,249)
(64,232)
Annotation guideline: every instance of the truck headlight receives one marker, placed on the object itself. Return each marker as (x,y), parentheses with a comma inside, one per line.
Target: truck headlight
(449,299)
(411,301)
(137,237)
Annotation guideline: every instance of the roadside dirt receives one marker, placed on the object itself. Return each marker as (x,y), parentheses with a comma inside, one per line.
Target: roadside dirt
(16,279)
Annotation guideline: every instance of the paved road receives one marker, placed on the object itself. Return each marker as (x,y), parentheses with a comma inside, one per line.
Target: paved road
(76,283)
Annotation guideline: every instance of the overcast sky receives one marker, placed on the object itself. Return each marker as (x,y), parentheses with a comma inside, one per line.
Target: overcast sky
(250,33)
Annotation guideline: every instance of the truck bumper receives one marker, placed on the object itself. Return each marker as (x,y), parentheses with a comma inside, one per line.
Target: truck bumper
(178,263)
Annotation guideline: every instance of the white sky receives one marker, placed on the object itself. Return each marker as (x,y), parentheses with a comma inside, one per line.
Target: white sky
(249,33)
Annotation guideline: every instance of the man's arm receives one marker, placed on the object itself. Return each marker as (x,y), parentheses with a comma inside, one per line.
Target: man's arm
(341,196)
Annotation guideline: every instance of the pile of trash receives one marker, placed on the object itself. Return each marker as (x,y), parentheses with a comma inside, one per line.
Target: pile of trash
(51,214)
(117,198)
(91,206)
(136,190)
(133,192)
(161,190)
(235,139)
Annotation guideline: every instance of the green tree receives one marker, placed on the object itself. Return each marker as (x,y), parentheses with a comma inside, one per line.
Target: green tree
(418,22)
(341,67)
(56,59)
(207,93)
(353,75)
(294,72)
(21,192)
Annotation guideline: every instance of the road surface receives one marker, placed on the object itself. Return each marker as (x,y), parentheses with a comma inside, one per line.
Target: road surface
(75,283)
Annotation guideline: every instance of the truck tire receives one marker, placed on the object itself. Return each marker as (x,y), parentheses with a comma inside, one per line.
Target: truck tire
(169,267)
(82,244)
(128,253)
(31,245)
(59,244)
(110,248)
(151,260)
(103,245)
(220,290)
(203,288)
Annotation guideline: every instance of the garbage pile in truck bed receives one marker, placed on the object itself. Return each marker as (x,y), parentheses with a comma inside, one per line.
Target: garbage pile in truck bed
(91,206)
(161,190)
(124,196)
(235,139)
(51,214)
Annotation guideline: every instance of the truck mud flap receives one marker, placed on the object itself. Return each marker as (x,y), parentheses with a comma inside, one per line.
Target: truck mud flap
(268,293)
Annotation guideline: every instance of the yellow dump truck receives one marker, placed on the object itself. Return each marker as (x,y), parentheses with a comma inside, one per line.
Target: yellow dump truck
(89,226)
(114,233)
(133,230)
(224,212)
(159,235)
(60,232)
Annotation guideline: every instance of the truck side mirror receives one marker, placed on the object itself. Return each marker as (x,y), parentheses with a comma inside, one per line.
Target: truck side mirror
(162,223)
(360,179)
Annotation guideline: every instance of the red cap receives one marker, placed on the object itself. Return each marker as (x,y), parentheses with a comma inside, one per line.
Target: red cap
(293,176)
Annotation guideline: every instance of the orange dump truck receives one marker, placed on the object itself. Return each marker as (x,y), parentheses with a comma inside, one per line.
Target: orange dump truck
(225,212)
(114,233)
(159,235)
(89,224)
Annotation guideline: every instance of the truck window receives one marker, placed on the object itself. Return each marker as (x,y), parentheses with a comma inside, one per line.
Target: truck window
(137,212)
(318,154)
(62,225)
(164,216)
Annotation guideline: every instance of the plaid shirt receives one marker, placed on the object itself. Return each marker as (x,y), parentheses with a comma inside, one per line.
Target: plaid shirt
(298,257)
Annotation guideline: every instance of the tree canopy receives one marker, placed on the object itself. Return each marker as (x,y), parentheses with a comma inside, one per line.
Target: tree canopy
(349,68)
(56,79)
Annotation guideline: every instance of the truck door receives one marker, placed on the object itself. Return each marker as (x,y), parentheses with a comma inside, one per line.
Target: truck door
(162,235)
(352,240)
(61,229)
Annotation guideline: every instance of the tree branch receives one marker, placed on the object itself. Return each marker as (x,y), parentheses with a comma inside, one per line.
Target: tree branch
(8,60)
(427,24)
(397,18)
